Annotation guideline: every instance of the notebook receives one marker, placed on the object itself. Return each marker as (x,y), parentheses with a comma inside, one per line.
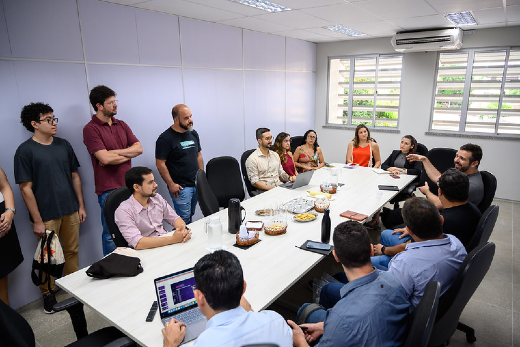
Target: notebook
(176,300)
(301,180)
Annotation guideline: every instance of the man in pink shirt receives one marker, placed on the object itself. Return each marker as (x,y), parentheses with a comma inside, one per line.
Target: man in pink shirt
(140,217)
(111,145)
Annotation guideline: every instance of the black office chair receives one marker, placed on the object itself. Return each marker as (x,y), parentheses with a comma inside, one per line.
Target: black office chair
(250,189)
(224,178)
(423,317)
(453,301)
(421,149)
(295,142)
(207,201)
(442,159)
(112,202)
(490,187)
(484,228)
(15,331)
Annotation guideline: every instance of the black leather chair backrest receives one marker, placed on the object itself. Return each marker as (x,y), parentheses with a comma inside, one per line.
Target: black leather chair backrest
(453,301)
(224,178)
(243,158)
(295,142)
(423,317)
(484,228)
(421,149)
(490,187)
(112,202)
(207,201)
(14,329)
(442,159)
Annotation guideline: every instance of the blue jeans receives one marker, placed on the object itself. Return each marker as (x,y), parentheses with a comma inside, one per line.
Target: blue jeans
(315,317)
(186,203)
(387,239)
(330,295)
(106,239)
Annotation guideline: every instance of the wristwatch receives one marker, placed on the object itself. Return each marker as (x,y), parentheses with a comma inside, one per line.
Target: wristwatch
(11,209)
(383,250)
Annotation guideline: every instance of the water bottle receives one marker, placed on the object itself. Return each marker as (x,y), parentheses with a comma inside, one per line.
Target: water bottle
(325,226)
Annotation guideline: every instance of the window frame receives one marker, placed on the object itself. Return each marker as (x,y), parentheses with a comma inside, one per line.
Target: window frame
(352,58)
(467,93)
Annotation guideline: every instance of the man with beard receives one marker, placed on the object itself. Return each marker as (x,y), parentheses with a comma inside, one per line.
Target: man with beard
(466,160)
(111,145)
(263,165)
(178,158)
(140,217)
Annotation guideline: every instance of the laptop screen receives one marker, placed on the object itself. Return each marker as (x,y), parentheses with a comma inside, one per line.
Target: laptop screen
(175,292)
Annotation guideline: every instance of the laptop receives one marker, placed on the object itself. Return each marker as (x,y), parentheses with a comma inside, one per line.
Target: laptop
(176,300)
(301,180)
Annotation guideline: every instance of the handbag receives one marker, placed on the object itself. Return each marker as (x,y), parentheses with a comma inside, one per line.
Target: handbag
(48,260)
(115,265)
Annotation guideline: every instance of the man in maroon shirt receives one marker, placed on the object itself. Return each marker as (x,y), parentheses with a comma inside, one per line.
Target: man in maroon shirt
(111,145)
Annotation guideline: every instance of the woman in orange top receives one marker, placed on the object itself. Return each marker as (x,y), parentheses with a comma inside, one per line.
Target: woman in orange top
(362,149)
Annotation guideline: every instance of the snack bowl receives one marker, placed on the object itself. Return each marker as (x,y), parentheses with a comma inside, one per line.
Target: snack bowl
(254,225)
(305,217)
(247,241)
(275,227)
(330,188)
(321,206)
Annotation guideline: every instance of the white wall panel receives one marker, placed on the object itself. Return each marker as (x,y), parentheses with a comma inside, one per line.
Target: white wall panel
(44,29)
(210,45)
(300,102)
(301,55)
(158,38)
(263,51)
(5,48)
(109,32)
(217,105)
(265,103)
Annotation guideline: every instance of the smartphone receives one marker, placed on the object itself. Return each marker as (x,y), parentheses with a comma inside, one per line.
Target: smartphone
(318,245)
(395,176)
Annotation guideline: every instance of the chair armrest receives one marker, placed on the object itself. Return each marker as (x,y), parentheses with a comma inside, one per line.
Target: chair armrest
(410,189)
(66,304)
(121,342)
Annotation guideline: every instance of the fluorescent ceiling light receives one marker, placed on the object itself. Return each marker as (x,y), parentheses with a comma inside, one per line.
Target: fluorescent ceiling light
(461,18)
(343,30)
(263,5)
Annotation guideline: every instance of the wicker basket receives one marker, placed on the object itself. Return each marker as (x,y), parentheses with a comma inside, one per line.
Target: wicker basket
(320,207)
(248,241)
(275,231)
(331,189)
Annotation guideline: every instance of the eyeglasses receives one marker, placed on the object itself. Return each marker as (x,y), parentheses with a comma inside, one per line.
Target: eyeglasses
(311,137)
(268,138)
(49,120)
(111,103)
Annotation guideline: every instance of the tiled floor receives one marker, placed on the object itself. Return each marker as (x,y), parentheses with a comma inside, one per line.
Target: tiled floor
(494,310)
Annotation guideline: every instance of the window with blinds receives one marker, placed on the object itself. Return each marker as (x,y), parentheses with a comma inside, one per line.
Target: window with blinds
(478,91)
(365,90)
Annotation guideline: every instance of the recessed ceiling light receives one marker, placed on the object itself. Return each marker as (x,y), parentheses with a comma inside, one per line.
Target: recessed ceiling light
(461,18)
(344,30)
(263,5)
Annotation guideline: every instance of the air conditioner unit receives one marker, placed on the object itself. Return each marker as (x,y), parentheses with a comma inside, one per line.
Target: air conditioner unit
(428,40)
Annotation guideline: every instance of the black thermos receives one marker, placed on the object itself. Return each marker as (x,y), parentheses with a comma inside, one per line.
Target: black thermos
(325,227)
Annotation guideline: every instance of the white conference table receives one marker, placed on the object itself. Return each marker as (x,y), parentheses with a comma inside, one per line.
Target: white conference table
(270,267)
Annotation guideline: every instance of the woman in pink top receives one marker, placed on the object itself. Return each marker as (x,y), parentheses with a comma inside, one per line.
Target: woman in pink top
(362,149)
(282,146)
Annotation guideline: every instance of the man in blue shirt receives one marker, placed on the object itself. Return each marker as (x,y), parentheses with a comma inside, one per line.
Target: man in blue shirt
(231,322)
(373,309)
(433,256)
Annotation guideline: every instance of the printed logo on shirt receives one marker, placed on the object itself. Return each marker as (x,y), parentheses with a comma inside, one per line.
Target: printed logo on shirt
(187,144)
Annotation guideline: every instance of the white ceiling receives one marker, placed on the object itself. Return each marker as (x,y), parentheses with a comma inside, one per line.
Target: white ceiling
(375,18)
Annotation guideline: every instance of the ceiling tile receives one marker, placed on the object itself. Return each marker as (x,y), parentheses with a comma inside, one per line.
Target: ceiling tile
(513,13)
(379,28)
(425,22)
(126,2)
(303,35)
(342,14)
(298,4)
(327,32)
(490,15)
(253,23)
(397,8)
(447,6)
(231,6)
(189,10)
(295,19)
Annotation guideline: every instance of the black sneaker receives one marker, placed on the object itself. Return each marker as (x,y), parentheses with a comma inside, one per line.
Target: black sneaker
(48,303)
